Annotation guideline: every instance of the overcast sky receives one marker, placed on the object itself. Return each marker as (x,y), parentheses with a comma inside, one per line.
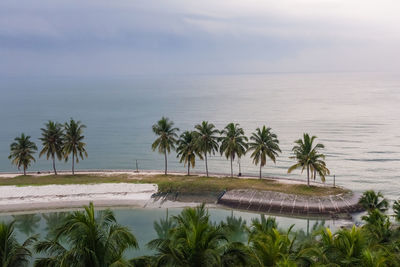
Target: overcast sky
(125,37)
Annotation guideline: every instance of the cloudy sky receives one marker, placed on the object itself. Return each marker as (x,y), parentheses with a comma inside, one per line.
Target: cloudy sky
(126,37)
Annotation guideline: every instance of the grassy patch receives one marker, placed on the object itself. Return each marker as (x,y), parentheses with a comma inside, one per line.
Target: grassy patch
(176,183)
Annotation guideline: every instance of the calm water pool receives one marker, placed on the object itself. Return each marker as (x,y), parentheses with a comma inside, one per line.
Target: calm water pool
(140,221)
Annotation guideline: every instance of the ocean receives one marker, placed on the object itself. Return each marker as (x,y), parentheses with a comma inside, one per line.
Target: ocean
(355,115)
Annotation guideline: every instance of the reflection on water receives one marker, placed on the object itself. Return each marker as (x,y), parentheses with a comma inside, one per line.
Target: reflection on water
(147,224)
(27,223)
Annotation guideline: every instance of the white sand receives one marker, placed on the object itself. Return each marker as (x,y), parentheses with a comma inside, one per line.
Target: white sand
(14,198)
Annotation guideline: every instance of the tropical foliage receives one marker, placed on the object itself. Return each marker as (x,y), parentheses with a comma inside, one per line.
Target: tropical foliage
(22,151)
(52,141)
(207,139)
(308,157)
(167,138)
(192,239)
(233,142)
(73,142)
(188,149)
(371,200)
(90,240)
(264,143)
(13,253)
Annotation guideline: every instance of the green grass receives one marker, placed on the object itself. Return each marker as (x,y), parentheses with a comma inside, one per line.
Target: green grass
(177,183)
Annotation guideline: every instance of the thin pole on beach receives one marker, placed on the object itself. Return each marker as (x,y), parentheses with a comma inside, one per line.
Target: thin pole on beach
(334,182)
(137,167)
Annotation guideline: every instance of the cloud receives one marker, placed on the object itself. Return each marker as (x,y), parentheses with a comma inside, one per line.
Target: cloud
(101,37)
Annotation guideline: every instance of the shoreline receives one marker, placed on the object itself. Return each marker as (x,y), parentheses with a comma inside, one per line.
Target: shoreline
(148,189)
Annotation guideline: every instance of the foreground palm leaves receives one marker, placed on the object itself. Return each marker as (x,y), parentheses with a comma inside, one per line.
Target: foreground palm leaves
(87,240)
(192,239)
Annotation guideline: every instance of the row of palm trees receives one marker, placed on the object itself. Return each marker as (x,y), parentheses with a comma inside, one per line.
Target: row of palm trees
(87,238)
(59,141)
(231,142)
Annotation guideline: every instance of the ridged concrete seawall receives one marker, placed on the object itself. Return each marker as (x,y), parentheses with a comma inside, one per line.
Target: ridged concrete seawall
(275,202)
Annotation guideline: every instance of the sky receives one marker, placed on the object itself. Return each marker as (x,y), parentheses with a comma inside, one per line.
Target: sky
(131,37)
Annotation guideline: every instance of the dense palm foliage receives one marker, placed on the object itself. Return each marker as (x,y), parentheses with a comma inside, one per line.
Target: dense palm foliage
(89,241)
(188,149)
(73,142)
(192,239)
(22,151)
(371,200)
(308,157)
(263,143)
(167,138)
(12,253)
(207,139)
(233,142)
(52,141)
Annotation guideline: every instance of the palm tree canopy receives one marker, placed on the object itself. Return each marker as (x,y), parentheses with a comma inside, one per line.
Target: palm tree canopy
(52,140)
(90,241)
(207,137)
(12,253)
(233,141)
(167,133)
(264,144)
(307,155)
(188,148)
(371,200)
(73,137)
(22,151)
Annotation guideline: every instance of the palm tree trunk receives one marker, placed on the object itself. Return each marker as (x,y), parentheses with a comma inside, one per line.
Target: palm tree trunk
(24,170)
(205,154)
(54,166)
(73,161)
(308,175)
(260,170)
(231,166)
(165,156)
(188,168)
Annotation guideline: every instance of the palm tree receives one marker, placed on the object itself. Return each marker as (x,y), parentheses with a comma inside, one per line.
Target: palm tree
(22,151)
(187,149)
(52,141)
(265,144)
(207,141)
(166,141)
(195,241)
(308,156)
(371,200)
(73,141)
(233,142)
(90,240)
(396,209)
(12,253)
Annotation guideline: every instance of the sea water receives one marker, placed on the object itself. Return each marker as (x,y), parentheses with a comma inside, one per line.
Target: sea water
(355,115)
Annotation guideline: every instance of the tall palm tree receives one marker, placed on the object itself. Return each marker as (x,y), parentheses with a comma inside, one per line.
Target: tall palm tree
(22,151)
(12,253)
(52,141)
(233,142)
(188,149)
(89,240)
(207,141)
(308,156)
(73,141)
(167,137)
(264,144)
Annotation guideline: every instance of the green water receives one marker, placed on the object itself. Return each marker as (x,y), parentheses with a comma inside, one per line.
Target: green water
(140,221)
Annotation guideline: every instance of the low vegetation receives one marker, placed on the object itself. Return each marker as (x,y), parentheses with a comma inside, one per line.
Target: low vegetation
(177,183)
(191,238)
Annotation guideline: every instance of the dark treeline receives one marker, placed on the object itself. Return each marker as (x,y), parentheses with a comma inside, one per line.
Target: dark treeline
(87,238)
(59,141)
(232,142)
